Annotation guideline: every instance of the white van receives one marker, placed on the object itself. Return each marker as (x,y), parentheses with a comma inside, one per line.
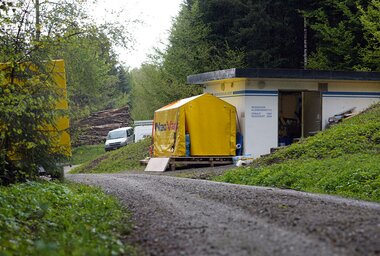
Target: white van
(118,138)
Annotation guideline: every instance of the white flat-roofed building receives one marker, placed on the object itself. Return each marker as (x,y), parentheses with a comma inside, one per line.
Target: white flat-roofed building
(277,106)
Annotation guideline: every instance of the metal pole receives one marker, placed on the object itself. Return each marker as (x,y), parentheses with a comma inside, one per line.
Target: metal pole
(38,25)
(304,43)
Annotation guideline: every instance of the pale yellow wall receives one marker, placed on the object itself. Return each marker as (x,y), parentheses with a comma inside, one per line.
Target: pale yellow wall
(277,84)
(360,86)
(294,84)
(225,86)
(289,84)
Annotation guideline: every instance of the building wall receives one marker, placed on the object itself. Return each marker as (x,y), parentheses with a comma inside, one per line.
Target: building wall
(342,96)
(261,122)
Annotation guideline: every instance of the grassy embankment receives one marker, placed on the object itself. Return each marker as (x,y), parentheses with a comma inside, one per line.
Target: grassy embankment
(46,218)
(125,158)
(86,153)
(343,160)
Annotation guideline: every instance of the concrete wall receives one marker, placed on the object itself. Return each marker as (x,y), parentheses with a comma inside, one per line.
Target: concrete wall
(261,126)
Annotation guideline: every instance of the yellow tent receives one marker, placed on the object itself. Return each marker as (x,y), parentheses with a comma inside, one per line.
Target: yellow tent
(209,122)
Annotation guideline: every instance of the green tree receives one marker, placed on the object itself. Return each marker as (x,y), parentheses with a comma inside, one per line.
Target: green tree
(27,95)
(370,17)
(32,33)
(270,33)
(147,92)
(124,79)
(89,62)
(188,52)
(338,34)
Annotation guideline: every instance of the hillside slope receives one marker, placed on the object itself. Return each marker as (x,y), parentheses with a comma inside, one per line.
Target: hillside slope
(125,158)
(343,160)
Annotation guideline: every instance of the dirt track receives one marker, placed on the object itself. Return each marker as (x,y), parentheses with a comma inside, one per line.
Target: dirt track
(176,216)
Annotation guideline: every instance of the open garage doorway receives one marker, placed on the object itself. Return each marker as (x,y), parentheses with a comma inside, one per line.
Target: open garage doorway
(300,115)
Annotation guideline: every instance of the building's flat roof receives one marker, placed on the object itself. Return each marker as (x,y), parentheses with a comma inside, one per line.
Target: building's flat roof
(282,73)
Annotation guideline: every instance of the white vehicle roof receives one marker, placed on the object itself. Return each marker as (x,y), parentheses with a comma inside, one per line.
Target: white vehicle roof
(121,129)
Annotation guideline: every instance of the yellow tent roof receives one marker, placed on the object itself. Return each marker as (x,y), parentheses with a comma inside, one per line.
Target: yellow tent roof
(179,103)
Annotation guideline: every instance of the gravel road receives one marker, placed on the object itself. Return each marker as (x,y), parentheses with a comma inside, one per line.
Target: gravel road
(177,216)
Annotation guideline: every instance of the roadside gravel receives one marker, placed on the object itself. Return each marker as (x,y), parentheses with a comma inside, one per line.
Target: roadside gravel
(177,216)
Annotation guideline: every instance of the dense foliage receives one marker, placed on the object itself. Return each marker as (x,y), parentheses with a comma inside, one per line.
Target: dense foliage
(57,219)
(122,159)
(370,19)
(340,34)
(270,33)
(95,80)
(343,160)
(33,33)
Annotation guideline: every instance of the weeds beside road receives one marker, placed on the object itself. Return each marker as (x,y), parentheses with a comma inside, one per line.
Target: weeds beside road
(47,218)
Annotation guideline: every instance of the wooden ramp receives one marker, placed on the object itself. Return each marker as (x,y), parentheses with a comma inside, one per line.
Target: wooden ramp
(157,164)
(160,164)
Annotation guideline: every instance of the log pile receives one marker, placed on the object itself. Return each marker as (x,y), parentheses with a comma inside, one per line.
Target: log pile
(94,129)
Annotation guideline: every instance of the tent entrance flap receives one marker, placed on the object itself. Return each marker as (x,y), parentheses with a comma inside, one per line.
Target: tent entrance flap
(168,133)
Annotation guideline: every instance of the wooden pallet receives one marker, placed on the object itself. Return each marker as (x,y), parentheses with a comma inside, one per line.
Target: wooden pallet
(144,162)
(201,160)
(206,160)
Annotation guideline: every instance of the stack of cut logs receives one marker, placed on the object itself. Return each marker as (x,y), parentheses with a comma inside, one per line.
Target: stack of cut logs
(94,129)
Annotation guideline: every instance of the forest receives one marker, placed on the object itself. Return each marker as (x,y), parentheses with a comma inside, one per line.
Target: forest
(206,35)
(210,35)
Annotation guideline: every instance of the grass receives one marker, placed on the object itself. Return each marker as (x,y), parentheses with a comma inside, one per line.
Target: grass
(86,153)
(355,176)
(125,158)
(46,218)
(343,160)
